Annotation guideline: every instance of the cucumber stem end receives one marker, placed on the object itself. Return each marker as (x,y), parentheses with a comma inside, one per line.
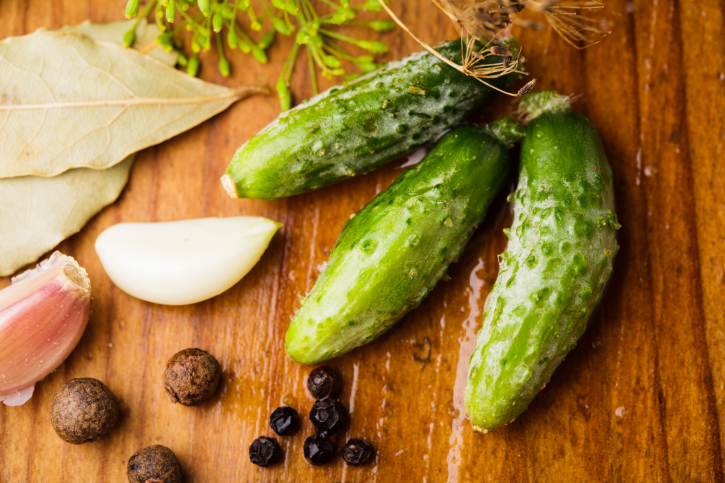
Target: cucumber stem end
(506,130)
(534,105)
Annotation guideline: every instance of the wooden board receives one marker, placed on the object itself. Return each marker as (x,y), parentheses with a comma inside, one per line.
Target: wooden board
(639,399)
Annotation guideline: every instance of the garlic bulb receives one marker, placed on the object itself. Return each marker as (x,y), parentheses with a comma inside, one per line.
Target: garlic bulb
(42,317)
(183,262)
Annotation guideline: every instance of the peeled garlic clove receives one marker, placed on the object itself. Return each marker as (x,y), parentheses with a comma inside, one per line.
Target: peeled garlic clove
(183,262)
(42,317)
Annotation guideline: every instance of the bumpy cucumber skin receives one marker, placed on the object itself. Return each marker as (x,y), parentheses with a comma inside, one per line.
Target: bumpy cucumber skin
(393,252)
(552,275)
(353,129)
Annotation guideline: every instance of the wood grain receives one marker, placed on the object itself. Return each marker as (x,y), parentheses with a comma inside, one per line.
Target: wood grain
(642,398)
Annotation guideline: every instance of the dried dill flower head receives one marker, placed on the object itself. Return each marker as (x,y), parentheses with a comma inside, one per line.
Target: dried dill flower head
(486,20)
(483,19)
(157,464)
(191,377)
(575,20)
(83,410)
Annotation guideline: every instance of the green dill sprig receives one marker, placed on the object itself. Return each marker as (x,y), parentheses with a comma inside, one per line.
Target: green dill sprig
(208,20)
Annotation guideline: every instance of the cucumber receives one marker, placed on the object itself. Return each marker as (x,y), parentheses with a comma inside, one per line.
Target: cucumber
(558,259)
(353,129)
(392,253)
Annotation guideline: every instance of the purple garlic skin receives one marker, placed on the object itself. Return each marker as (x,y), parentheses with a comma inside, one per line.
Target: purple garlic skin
(43,315)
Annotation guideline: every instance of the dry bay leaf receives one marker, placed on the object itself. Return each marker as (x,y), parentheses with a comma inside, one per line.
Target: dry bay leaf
(69,102)
(114,31)
(38,213)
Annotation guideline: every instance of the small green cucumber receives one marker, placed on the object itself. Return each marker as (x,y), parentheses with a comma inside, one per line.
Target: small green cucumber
(558,259)
(392,253)
(355,128)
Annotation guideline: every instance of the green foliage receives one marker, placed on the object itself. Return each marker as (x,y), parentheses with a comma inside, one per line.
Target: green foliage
(207,19)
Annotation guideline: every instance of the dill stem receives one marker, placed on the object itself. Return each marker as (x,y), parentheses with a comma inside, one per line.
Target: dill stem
(337,36)
(145,13)
(328,2)
(289,64)
(315,90)
(333,48)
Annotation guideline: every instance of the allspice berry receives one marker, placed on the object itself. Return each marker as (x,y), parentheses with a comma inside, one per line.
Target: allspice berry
(83,410)
(157,464)
(191,377)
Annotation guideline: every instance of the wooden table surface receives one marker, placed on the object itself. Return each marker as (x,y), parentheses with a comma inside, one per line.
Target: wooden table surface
(641,398)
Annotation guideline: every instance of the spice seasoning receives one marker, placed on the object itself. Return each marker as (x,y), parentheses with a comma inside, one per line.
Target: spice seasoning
(265,451)
(157,464)
(284,421)
(319,450)
(83,410)
(328,416)
(324,382)
(191,377)
(357,451)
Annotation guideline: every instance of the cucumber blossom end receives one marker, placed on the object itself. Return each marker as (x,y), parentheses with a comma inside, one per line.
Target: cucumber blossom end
(229,186)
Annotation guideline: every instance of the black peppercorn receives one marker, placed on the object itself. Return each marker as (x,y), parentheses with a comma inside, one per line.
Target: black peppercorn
(264,451)
(83,410)
(154,463)
(319,449)
(284,421)
(324,382)
(191,377)
(357,451)
(328,416)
